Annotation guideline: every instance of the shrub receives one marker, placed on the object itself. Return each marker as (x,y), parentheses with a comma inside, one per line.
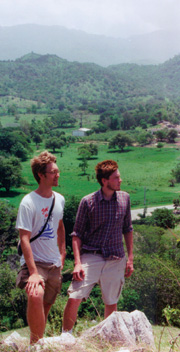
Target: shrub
(12,299)
(8,233)
(155,286)
(172,316)
(163,218)
(70,211)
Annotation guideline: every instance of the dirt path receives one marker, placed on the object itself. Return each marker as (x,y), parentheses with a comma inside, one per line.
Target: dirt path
(135,212)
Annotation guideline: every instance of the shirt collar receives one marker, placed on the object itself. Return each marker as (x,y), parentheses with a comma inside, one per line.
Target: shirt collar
(101,196)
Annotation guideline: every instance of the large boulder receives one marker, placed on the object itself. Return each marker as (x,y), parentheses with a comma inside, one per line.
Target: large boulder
(127,329)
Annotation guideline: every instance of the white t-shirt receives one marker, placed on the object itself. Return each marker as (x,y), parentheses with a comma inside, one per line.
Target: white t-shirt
(32,214)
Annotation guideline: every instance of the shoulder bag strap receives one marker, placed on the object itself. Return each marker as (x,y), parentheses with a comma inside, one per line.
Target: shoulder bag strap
(50,212)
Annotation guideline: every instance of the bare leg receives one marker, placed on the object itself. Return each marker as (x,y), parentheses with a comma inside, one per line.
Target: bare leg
(47,308)
(109,309)
(70,313)
(36,316)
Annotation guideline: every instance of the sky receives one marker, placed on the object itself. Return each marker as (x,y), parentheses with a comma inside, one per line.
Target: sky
(114,18)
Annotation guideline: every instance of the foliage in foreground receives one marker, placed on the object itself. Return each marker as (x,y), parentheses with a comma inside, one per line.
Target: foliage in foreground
(8,234)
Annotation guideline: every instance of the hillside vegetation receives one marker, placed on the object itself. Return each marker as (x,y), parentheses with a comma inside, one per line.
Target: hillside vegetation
(50,79)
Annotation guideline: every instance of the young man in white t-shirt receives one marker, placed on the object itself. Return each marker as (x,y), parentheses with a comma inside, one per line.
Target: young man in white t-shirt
(43,259)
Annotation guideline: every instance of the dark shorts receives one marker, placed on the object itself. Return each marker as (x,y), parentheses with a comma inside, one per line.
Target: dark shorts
(51,275)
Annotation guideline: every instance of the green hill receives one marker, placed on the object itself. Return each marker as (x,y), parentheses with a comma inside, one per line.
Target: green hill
(52,80)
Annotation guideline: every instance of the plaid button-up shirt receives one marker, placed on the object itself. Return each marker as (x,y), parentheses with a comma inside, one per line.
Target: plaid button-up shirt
(101,223)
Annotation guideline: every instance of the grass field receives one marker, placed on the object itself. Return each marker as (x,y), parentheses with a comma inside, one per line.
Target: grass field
(141,169)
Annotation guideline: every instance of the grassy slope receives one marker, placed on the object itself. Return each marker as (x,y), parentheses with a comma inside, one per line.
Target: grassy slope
(139,167)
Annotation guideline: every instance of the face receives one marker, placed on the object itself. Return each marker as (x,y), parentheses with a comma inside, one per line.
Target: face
(52,175)
(114,181)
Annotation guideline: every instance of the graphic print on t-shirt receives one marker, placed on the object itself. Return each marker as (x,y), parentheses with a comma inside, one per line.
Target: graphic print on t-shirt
(48,231)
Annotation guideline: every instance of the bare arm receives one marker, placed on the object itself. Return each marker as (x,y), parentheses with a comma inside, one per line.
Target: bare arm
(129,245)
(34,278)
(78,272)
(61,242)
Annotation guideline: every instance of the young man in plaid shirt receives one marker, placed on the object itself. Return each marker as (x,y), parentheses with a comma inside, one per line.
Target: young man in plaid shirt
(102,219)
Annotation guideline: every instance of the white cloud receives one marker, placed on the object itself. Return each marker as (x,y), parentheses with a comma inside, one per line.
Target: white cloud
(109,17)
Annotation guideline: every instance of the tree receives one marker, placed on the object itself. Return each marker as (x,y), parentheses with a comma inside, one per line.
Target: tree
(34,109)
(25,127)
(100,127)
(10,173)
(36,127)
(128,121)
(84,165)
(19,151)
(121,140)
(93,148)
(172,134)
(12,109)
(161,135)
(63,118)
(87,150)
(14,143)
(145,138)
(54,143)
(114,122)
(85,154)
(48,124)
(176,173)
(37,138)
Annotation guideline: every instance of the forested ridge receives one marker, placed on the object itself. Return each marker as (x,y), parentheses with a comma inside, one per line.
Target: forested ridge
(50,79)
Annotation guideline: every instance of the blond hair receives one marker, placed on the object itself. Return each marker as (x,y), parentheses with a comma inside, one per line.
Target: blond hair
(39,163)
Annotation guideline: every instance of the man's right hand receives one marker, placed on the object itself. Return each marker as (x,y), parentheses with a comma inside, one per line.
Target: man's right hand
(33,282)
(78,273)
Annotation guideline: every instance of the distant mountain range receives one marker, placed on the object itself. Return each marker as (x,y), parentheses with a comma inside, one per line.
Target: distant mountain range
(74,45)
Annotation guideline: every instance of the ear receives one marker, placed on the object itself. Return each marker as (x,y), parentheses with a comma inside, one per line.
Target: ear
(41,175)
(104,181)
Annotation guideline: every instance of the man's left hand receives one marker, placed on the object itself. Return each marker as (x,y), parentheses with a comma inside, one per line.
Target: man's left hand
(129,268)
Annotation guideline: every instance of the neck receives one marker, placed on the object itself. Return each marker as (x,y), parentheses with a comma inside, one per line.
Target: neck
(44,191)
(107,193)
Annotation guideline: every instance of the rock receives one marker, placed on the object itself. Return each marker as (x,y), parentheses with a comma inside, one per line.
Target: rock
(143,328)
(14,340)
(128,329)
(63,339)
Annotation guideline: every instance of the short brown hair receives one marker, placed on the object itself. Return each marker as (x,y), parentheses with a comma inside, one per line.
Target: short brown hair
(104,169)
(39,163)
